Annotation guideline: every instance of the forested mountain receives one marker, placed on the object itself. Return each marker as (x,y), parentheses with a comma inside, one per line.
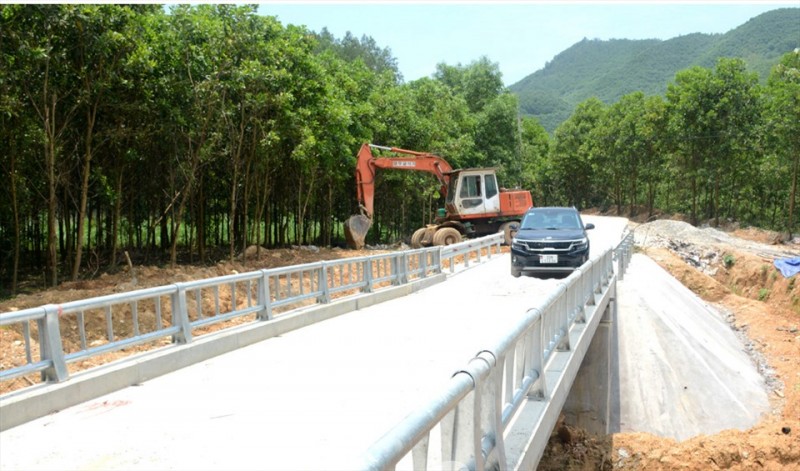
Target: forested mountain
(610,69)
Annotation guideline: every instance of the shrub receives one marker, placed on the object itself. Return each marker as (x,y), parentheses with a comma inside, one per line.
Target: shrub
(728,260)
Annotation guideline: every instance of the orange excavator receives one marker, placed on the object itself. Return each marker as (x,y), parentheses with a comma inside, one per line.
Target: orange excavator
(474,204)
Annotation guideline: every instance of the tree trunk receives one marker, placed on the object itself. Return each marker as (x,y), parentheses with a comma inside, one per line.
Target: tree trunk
(52,200)
(201,220)
(715,199)
(91,116)
(115,220)
(302,206)
(15,210)
(177,218)
(793,194)
(236,163)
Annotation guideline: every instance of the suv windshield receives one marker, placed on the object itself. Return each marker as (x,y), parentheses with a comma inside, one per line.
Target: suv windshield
(552,219)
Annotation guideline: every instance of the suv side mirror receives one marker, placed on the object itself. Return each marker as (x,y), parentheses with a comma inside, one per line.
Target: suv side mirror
(589,226)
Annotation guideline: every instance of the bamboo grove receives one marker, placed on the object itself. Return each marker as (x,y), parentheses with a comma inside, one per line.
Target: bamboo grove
(186,134)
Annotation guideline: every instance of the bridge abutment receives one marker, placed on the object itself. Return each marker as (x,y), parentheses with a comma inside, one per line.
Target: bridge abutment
(588,405)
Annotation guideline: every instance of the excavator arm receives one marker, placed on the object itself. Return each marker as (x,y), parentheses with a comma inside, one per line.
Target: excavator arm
(356,226)
(406,160)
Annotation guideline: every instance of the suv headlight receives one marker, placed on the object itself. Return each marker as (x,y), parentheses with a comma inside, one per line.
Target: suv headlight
(518,245)
(581,244)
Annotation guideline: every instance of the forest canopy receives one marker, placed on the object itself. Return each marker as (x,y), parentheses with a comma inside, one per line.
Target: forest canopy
(191,133)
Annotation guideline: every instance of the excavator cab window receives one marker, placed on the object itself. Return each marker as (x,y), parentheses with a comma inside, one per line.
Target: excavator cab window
(491,185)
(470,192)
(471,187)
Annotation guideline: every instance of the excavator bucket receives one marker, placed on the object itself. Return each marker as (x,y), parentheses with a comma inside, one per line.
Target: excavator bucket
(355,230)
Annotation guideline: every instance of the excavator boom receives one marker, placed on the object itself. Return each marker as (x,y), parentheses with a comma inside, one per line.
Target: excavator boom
(356,226)
(403,160)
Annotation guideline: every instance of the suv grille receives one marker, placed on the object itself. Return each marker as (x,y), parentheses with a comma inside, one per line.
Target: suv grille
(542,245)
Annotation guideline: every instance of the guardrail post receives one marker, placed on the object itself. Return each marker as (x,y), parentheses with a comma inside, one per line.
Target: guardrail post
(264,297)
(395,270)
(323,283)
(629,253)
(423,263)
(403,269)
(50,346)
(534,364)
(180,316)
(562,329)
(367,276)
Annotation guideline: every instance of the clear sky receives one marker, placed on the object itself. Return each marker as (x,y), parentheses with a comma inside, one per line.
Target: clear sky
(520,36)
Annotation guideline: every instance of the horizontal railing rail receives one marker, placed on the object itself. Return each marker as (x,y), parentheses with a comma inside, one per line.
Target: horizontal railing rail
(476,246)
(174,314)
(473,412)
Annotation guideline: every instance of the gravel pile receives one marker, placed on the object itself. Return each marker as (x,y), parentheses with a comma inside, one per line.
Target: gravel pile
(702,247)
(702,242)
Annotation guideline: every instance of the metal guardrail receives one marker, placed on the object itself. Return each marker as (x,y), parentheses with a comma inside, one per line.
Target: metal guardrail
(623,253)
(175,314)
(476,246)
(477,406)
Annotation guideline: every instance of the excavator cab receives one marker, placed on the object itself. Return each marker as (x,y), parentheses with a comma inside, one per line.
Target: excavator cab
(475,192)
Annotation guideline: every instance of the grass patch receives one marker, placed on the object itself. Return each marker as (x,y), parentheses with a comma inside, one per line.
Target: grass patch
(729,260)
(763,294)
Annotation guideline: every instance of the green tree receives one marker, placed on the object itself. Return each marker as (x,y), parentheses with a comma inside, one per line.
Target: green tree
(627,150)
(713,118)
(195,41)
(497,139)
(572,154)
(479,82)
(365,50)
(103,40)
(652,160)
(535,148)
(782,112)
(43,36)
